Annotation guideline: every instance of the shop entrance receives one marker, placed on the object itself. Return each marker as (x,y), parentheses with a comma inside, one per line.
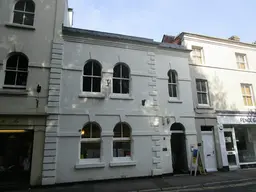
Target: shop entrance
(231,148)
(15,156)
(178,146)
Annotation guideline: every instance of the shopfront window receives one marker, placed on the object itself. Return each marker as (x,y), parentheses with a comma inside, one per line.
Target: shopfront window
(246,144)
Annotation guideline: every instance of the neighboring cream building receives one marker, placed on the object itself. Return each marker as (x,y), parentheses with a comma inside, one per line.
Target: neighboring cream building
(223,75)
(29,32)
(115,117)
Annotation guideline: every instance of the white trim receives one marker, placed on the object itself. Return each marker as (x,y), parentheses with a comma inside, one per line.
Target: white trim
(249,163)
(81,165)
(122,163)
(98,95)
(121,96)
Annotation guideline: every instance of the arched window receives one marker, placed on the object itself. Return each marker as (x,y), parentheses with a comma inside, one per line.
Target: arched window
(92,76)
(24,12)
(16,72)
(122,140)
(121,79)
(90,141)
(172,83)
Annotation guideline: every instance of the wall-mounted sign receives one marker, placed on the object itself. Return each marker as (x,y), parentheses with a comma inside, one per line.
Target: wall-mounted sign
(248,120)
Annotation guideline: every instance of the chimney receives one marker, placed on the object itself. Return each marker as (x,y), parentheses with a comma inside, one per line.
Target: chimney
(234,38)
(70,16)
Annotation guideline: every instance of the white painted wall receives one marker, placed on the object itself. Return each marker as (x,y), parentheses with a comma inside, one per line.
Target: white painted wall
(149,66)
(36,43)
(221,71)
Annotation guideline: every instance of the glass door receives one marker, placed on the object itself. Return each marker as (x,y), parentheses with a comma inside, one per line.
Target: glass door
(231,148)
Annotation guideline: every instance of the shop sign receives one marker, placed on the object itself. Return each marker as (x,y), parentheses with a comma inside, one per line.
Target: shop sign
(248,120)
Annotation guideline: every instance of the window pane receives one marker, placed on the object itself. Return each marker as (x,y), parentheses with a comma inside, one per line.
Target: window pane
(117,130)
(126,130)
(86,131)
(121,149)
(170,90)
(243,89)
(96,69)
(12,62)
(241,66)
(20,5)
(173,77)
(116,85)
(174,89)
(125,86)
(199,98)
(245,101)
(10,78)
(21,78)
(87,84)
(88,68)
(96,84)
(90,150)
(204,84)
(18,18)
(125,72)
(95,131)
(247,90)
(204,98)
(30,6)
(249,101)
(23,63)
(29,19)
(117,71)
(198,85)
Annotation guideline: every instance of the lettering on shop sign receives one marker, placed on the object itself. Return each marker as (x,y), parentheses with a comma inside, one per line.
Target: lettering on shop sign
(248,119)
(11,121)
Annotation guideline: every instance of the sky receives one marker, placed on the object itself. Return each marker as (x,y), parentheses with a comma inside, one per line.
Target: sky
(154,18)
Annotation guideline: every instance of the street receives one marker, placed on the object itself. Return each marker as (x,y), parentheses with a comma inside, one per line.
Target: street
(243,187)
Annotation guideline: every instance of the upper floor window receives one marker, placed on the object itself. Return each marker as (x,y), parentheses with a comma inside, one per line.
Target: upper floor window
(202,92)
(241,61)
(197,55)
(92,76)
(122,140)
(121,79)
(90,141)
(247,94)
(173,83)
(16,72)
(24,12)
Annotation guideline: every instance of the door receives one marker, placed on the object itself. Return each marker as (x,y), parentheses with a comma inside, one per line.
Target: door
(231,148)
(209,151)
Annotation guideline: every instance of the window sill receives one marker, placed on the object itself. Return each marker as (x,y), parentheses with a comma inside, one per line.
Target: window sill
(120,96)
(14,25)
(91,95)
(83,165)
(174,100)
(13,91)
(122,163)
(204,107)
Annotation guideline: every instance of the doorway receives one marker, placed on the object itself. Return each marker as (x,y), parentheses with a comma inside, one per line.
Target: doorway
(178,146)
(209,148)
(231,148)
(15,156)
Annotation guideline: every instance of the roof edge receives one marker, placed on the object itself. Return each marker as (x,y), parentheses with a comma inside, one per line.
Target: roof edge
(114,36)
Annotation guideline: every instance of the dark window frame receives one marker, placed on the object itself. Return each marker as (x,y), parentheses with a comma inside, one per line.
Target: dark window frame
(173,83)
(122,140)
(91,139)
(9,69)
(94,79)
(23,14)
(121,79)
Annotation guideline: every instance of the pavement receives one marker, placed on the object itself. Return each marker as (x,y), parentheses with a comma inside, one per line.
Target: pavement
(211,182)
